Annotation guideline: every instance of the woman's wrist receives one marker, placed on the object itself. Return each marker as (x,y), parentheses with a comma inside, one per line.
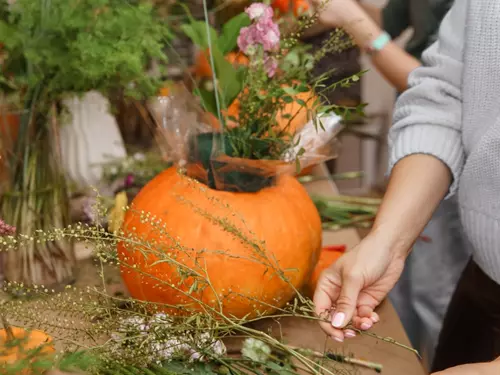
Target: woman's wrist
(387,235)
(362,28)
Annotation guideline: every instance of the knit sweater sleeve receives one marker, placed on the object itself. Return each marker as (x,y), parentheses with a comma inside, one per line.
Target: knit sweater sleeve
(428,116)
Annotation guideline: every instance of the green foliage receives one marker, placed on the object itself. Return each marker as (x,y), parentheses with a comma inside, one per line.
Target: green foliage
(77,46)
(230,31)
(263,97)
(225,42)
(230,79)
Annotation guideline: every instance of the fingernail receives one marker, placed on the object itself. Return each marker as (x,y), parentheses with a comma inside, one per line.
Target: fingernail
(375,318)
(366,326)
(338,339)
(350,334)
(338,320)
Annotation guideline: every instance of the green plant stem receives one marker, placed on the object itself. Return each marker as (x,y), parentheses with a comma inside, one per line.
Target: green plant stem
(334,177)
(350,199)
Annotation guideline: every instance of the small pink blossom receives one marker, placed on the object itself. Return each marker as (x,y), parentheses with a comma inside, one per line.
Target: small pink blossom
(270,65)
(259,11)
(129,180)
(6,229)
(265,32)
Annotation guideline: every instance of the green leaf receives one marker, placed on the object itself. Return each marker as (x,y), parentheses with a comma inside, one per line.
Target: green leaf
(303,88)
(197,32)
(186,368)
(207,100)
(7,35)
(230,32)
(230,79)
(278,369)
(290,90)
(301,102)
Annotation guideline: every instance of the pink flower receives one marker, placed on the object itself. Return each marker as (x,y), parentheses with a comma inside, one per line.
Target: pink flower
(129,180)
(264,32)
(259,11)
(270,66)
(246,40)
(5,229)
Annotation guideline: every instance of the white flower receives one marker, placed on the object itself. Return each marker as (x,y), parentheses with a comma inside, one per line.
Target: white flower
(161,318)
(161,345)
(139,156)
(136,322)
(207,344)
(256,350)
(219,348)
(209,85)
(196,357)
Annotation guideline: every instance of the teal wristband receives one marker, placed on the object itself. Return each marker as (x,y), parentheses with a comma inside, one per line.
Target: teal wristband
(379,43)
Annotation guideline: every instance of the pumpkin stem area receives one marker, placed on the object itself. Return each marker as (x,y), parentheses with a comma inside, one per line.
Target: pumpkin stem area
(227,174)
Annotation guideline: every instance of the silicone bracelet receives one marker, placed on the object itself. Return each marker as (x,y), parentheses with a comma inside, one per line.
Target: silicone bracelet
(379,43)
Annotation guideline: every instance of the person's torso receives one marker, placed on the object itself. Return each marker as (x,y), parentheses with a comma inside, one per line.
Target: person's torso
(479,187)
(425,17)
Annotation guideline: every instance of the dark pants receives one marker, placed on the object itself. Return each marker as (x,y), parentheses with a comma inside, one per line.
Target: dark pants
(471,328)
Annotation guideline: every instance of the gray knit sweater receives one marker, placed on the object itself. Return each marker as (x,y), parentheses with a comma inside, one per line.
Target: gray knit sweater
(452,111)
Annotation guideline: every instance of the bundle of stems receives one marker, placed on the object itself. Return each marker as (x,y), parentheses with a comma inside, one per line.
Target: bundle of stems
(37,199)
(342,211)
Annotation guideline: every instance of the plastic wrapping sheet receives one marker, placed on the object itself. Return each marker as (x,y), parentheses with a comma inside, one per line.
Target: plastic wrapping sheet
(190,142)
(179,119)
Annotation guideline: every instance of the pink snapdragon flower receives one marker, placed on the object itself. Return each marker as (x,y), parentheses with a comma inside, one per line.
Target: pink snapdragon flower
(263,31)
(259,11)
(6,229)
(270,65)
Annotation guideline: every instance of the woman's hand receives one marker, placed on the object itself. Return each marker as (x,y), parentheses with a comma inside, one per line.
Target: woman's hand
(356,284)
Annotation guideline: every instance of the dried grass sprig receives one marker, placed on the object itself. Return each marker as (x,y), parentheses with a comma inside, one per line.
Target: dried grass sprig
(88,318)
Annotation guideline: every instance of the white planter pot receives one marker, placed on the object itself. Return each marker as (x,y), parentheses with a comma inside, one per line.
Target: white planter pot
(89,137)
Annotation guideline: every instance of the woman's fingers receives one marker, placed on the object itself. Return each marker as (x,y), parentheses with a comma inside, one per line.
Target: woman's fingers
(352,283)
(325,297)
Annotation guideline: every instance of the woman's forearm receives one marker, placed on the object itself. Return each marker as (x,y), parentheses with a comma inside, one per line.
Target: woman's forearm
(393,62)
(417,185)
(395,65)
(374,12)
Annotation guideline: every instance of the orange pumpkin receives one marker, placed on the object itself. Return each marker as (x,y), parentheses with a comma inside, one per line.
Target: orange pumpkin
(29,340)
(282,220)
(300,114)
(203,69)
(326,259)
(298,7)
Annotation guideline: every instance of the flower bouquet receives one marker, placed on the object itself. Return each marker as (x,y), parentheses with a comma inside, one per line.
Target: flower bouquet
(235,174)
(269,116)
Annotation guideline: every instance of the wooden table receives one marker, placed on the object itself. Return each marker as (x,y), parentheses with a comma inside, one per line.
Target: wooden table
(307,334)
